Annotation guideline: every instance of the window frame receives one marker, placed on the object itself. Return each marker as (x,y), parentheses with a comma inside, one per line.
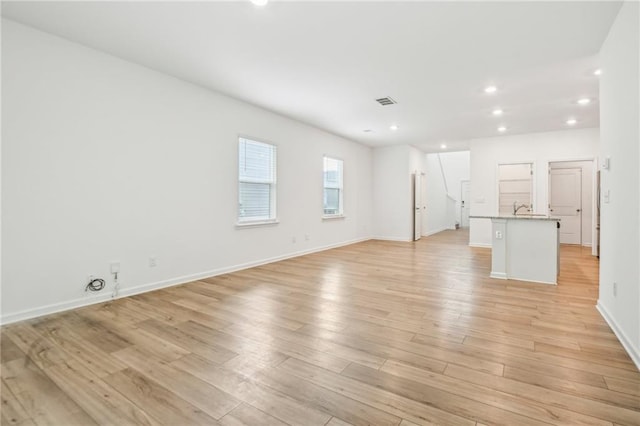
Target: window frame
(340,187)
(273,184)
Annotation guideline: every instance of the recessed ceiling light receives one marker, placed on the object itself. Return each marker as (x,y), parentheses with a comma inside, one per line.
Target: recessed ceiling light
(597,72)
(490,89)
(443,146)
(502,129)
(367,130)
(259,2)
(571,121)
(584,101)
(394,127)
(497,111)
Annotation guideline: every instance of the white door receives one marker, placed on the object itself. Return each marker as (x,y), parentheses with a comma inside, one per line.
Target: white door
(565,200)
(464,203)
(417,206)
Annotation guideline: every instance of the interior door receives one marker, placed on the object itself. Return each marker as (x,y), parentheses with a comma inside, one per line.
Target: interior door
(417,206)
(464,203)
(565,201)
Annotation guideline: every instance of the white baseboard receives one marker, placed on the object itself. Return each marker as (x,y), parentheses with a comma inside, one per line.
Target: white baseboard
(435,231)
(481,245)
(403,240)
(633,352)
(498,275)
(54,308)
(92,300)
(533,281)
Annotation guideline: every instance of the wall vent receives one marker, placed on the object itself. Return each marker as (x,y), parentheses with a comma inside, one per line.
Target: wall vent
(386,101)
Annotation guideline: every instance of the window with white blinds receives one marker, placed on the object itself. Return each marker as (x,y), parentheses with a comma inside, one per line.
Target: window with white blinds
(333,192)
(257,181)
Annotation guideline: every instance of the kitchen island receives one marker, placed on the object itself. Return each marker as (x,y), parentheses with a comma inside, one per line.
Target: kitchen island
(525,247)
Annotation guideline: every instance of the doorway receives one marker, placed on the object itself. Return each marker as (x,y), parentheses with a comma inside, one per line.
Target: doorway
(565,202)
(571,199)
(515,188)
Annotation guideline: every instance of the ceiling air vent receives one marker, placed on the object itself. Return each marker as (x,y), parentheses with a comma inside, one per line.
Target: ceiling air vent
(386,101)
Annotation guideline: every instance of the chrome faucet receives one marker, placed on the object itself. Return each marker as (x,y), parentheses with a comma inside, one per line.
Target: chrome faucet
(516,207)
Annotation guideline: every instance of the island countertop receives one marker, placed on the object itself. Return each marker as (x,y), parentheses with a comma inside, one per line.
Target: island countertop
(518,217)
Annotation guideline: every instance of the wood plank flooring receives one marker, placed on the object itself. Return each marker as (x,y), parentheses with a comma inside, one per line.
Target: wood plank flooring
(375,333)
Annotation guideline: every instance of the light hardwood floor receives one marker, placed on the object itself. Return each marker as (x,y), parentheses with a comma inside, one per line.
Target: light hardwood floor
(379,333)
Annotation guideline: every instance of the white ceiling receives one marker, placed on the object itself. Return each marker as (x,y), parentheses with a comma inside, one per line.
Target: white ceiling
(324,63)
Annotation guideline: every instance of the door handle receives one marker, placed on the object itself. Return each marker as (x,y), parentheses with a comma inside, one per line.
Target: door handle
(578,210)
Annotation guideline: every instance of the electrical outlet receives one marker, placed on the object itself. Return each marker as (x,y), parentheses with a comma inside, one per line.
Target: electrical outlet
(498,235)
(293,240)
(306,237)
(115,267)
(615,289)
(153,262)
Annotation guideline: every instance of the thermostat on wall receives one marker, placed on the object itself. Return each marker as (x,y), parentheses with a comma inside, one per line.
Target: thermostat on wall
(606,163)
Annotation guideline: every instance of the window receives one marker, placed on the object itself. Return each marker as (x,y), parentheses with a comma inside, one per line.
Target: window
(257,181)
(332,187)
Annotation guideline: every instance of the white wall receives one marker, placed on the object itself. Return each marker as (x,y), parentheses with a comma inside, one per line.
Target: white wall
(437,219)
(104,160)
(391,204)
(587,190)
(393,198)
(537,148)
(620,134)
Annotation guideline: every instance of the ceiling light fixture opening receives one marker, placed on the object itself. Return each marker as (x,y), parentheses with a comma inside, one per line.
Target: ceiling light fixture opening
(367,130)
(260,2)
(443,146)
(497,111)
(597,72)
(502,129)
(572,121)
(490,89)
(584,101)
(394,127)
